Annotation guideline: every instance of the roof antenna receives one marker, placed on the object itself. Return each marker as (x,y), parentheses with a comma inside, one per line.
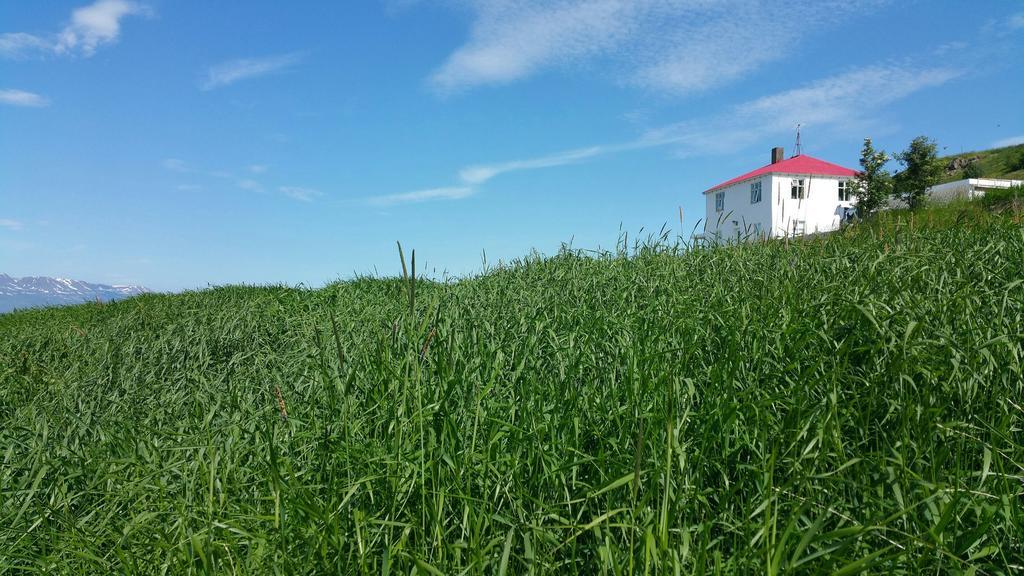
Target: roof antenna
(797,150)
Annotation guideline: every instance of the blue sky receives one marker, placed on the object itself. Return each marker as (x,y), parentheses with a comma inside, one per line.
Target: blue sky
(182,144)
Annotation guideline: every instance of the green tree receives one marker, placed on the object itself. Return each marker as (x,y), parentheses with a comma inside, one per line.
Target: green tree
(873,183)
(921,170)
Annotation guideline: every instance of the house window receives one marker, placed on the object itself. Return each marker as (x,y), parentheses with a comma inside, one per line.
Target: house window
(719,201)
(845,191)
(796,190)
(799,227)
(755,192)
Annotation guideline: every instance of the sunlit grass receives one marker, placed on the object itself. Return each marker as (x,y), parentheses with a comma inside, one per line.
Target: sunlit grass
(848,402)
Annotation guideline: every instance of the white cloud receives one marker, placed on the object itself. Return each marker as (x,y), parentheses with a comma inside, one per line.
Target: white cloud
(90,27)
(21,44)
(175,165)
(510,41)
(846,96)
(482,173)
(450,193)
(11,224)
(715,43)
(95,25)
(678,46)
(22,98)
(1011,141)
(845,99)
(703,52)
(233,71)
(472,176)
(182,167)
(1016,21)
(249,184)
(299,193)
(951,47)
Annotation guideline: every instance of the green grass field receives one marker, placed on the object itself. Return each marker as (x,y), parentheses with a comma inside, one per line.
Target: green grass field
(840,404)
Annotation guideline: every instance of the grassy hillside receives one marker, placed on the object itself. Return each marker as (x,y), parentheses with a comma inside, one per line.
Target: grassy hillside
(1007,162)
(848,402)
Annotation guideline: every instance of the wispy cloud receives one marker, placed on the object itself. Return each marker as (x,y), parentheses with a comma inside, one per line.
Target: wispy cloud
(175,165)
(1016,21)
(482,173)
(951,47)
(449,193)
(299,193)
(244,182)
(90,27)
(228,73)
(848,99)
(511,41)
(1011,141)
(22,44)
(249,184)
(22,98)
(10,224)
(677,46)
(712,44)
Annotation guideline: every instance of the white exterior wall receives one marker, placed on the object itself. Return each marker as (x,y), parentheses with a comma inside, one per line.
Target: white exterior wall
(739,219)
(968,188)
(820,209)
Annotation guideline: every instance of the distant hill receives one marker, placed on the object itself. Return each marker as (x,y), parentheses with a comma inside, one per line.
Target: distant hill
(1006,162)
(36,291)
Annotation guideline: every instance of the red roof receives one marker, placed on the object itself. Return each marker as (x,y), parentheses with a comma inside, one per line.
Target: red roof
(796,165)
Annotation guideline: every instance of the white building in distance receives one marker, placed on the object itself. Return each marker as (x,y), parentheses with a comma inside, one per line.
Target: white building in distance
(969,188)
(788,197)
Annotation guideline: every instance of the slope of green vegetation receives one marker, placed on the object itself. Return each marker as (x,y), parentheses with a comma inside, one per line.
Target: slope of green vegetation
(1006,162)
(845,403)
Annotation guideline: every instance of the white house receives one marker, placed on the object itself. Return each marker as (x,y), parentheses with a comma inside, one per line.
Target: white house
(968,188)
(789,196)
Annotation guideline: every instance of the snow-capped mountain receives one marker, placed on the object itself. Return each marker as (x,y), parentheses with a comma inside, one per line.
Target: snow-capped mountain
(32,291)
